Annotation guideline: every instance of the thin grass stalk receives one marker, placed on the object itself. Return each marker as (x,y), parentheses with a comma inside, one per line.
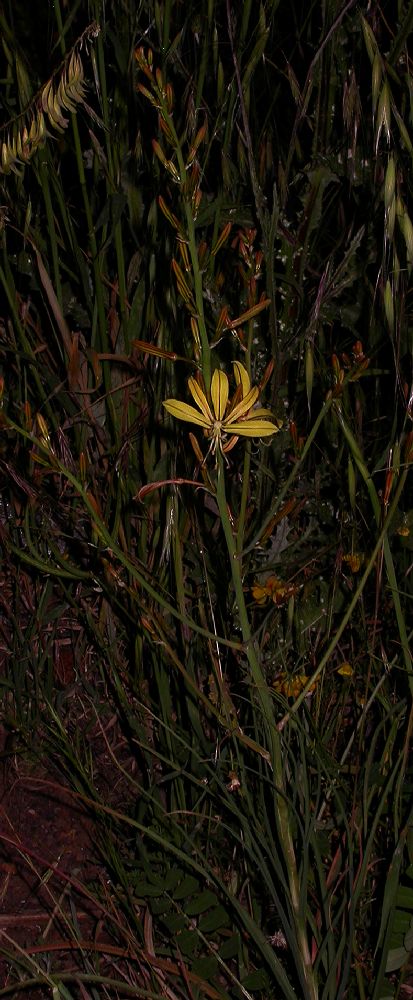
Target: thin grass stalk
(247,460)
(302,957)
(51,225)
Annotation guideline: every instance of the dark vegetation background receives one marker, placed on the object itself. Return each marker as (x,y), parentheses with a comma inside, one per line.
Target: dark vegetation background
(244,649)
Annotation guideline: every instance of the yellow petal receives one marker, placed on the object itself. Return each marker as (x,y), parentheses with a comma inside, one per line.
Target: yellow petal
(244,406)
(241,377)
(261,411)
(260,593)
(253,428)
(219,393)
(182,411)
(346,670)
(200,398)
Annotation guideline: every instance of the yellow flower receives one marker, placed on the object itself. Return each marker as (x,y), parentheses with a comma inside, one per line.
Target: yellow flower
(346,670)
(353,560)
(279,591)
(223,416)
(291,686)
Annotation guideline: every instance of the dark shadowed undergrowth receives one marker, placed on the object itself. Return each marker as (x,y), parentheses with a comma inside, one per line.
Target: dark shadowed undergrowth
(208,205)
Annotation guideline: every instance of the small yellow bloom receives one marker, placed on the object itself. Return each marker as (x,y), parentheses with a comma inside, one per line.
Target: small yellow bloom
(222,416)
(346,670)
(276,589)
(292,685)
(353,560)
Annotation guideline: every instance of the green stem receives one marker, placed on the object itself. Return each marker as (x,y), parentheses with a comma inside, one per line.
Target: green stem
(267,708)
(244,499)
(51,226)
(247,457)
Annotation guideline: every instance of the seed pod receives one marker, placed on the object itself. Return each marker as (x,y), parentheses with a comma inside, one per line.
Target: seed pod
(369,39)
(383,114)
(196,335)
(159,152)
(44,430)
(171,168)
(407,230)
(390,183)
(404,134)
(169,98)
(395,270)
(389,220)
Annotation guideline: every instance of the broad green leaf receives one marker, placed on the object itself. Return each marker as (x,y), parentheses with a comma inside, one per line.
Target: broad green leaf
(230,947)
(214,920)
(257,980)
(186,888)
(201,903)
(175,922)
(206,968)
(187,941)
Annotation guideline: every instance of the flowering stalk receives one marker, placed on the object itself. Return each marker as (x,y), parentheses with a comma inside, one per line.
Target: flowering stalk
(162,98)
(224,420)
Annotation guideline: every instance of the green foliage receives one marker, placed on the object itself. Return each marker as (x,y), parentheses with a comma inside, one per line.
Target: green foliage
(238,190)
